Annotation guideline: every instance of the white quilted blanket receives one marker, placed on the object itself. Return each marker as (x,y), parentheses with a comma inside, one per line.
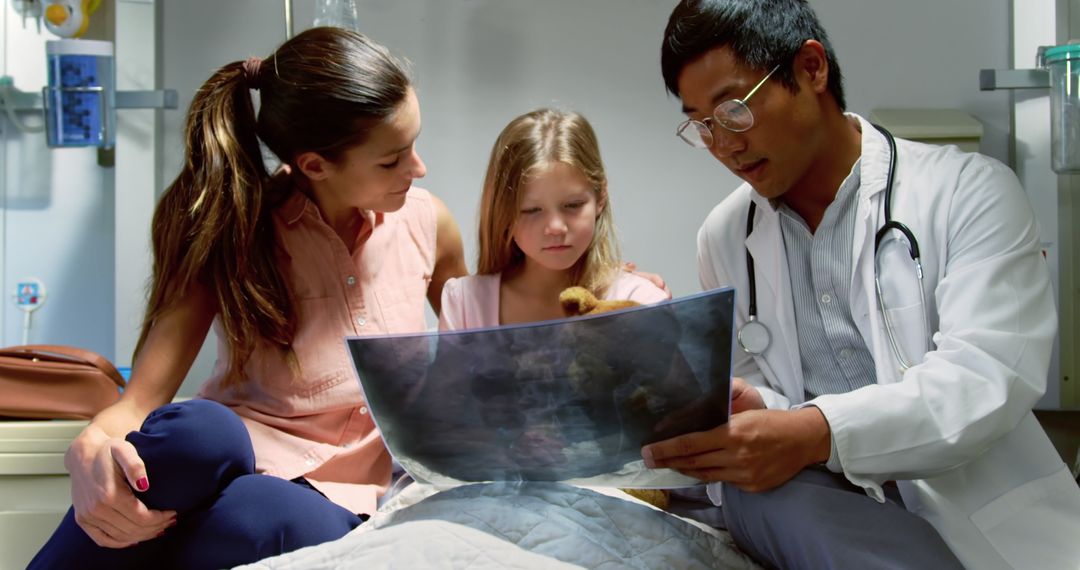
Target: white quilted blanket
(519,525)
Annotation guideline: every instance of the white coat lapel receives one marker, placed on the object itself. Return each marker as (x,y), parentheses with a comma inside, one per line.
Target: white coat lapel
(873,177)
(774,301)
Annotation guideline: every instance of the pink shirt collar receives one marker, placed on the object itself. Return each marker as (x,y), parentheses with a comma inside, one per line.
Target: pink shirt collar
(299,204)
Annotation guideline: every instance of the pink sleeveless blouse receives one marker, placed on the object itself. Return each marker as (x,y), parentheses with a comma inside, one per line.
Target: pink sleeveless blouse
(317,425)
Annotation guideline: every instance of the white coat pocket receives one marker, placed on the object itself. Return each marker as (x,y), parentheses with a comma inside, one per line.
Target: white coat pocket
(1018,523)
(907,326)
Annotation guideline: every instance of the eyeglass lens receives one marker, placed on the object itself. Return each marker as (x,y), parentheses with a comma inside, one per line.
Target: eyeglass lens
(732,114)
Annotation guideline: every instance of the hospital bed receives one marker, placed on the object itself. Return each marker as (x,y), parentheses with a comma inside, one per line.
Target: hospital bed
(524,406)
(35,490)
(519,525)
(509,525)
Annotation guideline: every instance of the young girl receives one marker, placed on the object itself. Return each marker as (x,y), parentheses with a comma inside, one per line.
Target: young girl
(545,225)
(280,451)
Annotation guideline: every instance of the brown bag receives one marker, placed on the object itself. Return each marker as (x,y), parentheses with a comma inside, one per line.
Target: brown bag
(55,382)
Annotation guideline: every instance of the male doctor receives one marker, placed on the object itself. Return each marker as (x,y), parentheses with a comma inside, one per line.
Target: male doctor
(871,428)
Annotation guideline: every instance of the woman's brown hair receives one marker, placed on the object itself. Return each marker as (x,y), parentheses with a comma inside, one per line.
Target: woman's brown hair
(321,91)
(530,144)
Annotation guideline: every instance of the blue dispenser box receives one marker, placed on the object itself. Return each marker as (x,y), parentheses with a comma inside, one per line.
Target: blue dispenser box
(80,98)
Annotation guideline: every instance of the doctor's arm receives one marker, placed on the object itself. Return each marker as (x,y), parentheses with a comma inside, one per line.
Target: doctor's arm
(102,463)
(989,366)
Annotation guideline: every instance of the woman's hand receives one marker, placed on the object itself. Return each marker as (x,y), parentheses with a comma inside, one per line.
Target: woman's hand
(104,470)
(631,267)
(104,467)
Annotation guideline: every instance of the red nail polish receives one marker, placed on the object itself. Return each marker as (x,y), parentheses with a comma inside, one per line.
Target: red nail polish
(142,484)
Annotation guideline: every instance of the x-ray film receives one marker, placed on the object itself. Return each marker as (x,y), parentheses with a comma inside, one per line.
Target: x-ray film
(566,400)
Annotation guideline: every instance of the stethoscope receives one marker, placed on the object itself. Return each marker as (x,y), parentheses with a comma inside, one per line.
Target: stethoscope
(754,337)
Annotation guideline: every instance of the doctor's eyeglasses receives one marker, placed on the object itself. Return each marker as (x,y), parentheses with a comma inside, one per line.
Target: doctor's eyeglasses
(733,114)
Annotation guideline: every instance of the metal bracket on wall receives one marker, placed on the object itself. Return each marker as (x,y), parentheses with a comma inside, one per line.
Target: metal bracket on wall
(994,79)
(23,101)
(159,99)
(1038,78)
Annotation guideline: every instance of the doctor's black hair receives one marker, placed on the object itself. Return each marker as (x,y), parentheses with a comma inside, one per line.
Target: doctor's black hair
(760,33)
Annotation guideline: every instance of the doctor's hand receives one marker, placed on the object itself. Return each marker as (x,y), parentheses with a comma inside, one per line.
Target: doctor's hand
(743,397)
(756,450)
(104,470)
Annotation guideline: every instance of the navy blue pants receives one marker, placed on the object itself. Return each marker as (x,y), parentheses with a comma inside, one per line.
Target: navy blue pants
(200,463)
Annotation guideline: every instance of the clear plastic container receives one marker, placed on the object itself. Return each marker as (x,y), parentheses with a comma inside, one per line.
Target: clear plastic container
(1063,62)
(338,13)
(80,98)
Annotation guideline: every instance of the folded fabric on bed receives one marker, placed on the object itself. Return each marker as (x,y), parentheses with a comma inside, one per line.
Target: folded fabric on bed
(521,525)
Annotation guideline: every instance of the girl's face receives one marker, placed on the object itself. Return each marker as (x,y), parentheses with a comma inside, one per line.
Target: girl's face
(557,218)
(377,175)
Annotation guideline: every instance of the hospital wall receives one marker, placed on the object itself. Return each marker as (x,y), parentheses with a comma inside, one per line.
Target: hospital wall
(477,64)
(56,213)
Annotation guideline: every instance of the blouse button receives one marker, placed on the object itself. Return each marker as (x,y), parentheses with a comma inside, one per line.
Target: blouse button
(350,281)
(361,321)
(362,410)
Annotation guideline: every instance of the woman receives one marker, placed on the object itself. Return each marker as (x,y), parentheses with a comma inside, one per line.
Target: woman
(279,452)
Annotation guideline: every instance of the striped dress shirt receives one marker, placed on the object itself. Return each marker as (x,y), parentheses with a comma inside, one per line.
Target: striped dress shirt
(834,357)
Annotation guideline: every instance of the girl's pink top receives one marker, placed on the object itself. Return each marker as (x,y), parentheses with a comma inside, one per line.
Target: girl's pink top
(317,425)
(472,302)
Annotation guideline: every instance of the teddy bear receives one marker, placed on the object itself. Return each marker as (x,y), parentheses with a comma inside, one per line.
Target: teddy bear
(578,301)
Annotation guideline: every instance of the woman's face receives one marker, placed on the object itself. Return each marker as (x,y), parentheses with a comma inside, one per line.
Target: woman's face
(377,174)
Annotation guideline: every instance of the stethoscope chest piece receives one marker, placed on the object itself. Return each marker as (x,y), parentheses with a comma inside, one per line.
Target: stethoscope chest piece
(754,337)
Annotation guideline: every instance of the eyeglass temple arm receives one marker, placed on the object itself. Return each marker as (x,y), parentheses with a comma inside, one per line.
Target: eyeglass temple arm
(760,83)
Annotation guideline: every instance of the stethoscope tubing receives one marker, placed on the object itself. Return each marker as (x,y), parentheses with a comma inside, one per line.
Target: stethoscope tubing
(751,343)
(753,336)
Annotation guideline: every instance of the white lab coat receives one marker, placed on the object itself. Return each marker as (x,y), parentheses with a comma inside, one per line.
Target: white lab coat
(956,430)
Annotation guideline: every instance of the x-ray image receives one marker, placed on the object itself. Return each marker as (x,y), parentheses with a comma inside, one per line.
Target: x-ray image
(565,400)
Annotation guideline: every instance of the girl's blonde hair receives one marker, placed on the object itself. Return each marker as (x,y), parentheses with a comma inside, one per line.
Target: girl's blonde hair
(531,144)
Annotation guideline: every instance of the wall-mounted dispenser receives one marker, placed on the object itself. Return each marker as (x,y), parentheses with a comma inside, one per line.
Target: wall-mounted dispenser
(80,98)
(1058,68)
(1063,62)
